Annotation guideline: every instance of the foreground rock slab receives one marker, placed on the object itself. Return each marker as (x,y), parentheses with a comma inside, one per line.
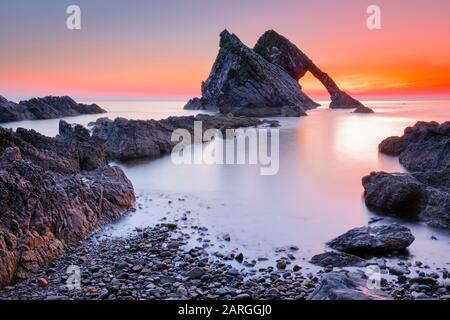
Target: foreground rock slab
(374,240)
(244,83)
(44,108)
(346,286)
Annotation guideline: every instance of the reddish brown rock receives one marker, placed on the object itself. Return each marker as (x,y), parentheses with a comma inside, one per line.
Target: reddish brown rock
(45,210)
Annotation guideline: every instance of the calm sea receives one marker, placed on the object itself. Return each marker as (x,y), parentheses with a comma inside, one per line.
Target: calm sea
(316,196)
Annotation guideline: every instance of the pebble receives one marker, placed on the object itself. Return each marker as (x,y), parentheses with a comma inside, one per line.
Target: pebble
(195,273)
(281,264)
(42,282)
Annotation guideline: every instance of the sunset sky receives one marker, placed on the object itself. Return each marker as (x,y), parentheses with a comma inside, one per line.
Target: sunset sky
(165,48)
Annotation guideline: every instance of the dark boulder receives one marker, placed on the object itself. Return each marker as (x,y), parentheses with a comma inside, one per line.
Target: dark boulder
(374,240)
(280,51)
(422,195)
(245,84)
(399,194)
(337,260)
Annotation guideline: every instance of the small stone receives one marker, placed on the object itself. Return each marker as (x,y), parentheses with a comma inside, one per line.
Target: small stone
(420,296)
(42,282)
(233,272)
(328,268)
(181,291)
(297,268)
(281,264)
(195,273)
(226,237)
(138,268)
(398,270)
(239,258)
(243,296)
(402,279)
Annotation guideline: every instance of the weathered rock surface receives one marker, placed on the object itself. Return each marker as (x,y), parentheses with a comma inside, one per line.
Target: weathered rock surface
(133,139)
(346,286)
(71,151)
(424,150)
(399,194)
(47,201)
(374,240)
(423,147)
(11,111)
(244,83)
(280,51)
(425,195)
(44,108)
(337,260)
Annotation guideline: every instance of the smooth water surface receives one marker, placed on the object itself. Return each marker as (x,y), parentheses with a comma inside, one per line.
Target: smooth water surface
(316,196)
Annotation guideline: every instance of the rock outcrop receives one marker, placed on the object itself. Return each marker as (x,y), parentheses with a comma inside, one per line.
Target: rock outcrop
(244,83)
(423,147)
(11,111)
(44,108)
(424,196)
(399,194)
(134,139)
(280,51)
(346,286)
(424,193)
(374,240)
(71,151)
(55,192)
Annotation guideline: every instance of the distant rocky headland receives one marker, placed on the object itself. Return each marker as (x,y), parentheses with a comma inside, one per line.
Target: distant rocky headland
(44,108)
(263,81)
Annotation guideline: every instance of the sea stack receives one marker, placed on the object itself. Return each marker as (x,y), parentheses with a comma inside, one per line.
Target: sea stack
(242,82)
(280,51)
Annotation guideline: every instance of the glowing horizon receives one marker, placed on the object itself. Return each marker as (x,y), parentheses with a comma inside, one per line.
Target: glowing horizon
(163,49)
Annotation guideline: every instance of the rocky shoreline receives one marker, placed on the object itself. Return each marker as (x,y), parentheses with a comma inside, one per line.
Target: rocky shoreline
(158,263)
(64,190)
(57,191)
